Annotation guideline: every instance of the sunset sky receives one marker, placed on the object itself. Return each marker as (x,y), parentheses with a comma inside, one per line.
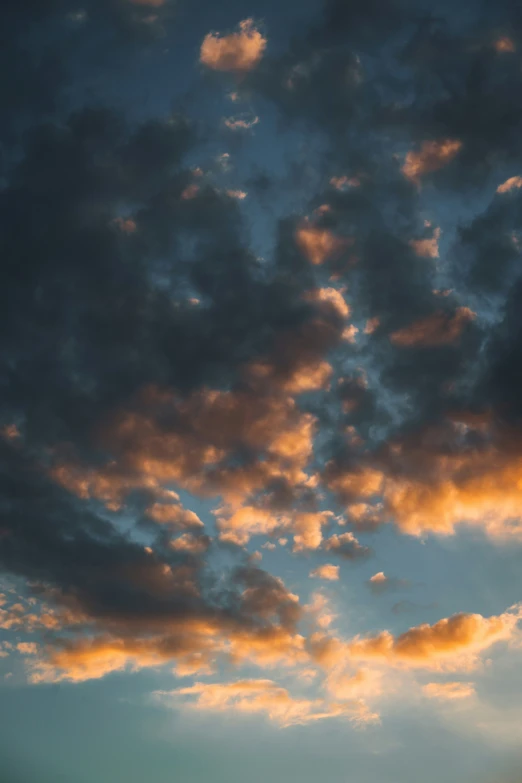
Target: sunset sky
(261,391)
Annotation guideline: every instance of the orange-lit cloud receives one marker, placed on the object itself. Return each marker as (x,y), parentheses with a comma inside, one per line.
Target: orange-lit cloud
(372,324)
(263,697)
(173,514)
(319,244)
(27,648)
(192,641)
(350,334)
(94,658)
(216,423)
(344,182)
(449,691)
(432,156)
(328,571)
(248,521)
(240,123)
(513,183)
(433,484)
(452,643)
(330,297)
(237,194)
(437,329)
(196,545)
(320,609)
(239,51)
(427,248)
(346,545)
(504,45)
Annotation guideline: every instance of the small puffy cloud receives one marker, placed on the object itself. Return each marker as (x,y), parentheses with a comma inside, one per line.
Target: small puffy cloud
(27,648)
(344,182)
(513,183)
(449,691)
(350,334)
(427,248)
(243,122)
(346,545)
(173,514)
(432,156)
(319,244)
(330,297)
(372,324)
(320,609)
(237,194)
(328,571)
(195,545)
(239,51)
(380,583)
(505,45)
(437,329)
(262,697)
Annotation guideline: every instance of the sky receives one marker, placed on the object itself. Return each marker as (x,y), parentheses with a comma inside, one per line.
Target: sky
(261,397)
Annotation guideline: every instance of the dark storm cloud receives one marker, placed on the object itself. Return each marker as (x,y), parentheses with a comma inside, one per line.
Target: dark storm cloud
(79,561)
(95,310)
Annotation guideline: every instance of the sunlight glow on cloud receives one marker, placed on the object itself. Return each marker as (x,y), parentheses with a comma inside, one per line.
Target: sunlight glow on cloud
(239,51)
(432,156)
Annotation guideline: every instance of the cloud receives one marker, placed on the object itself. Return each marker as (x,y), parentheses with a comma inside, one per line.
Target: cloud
(427,248)
(346,545)
(449,691)
(328,571)
(340,183)
(243,122)
(431,157)
(196,456)
(169,358)
(263,697)
(237,194)
(437,329)
(505,45)
(434,481)
(510,184)
(380,583)
(320,609)
(247,521)
(319,244)
(451,643)
(196,545)
(239,51)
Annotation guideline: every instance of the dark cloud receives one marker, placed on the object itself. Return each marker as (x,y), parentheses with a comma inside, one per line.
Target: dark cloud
(147,347)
